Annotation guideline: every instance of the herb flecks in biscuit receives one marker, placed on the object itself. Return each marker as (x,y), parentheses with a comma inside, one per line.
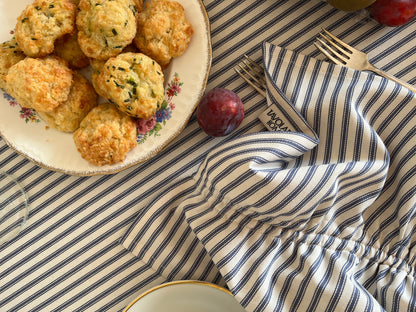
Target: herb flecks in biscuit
(68,115)
(105,135)
(40,83)
(97,66)
(10,54)
(163,31)
(41,23)
(134,83)
(138,7)
(106,27)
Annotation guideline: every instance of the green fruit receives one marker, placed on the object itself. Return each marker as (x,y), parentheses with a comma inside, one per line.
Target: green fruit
(350,5)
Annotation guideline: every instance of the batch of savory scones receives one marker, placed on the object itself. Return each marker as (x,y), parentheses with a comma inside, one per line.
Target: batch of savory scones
(127,45)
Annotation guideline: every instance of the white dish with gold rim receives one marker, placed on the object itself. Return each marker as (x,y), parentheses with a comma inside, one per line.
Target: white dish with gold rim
(186,296)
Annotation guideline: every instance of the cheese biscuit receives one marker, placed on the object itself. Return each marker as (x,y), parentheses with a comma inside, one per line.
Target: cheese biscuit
(10,54)
(41,23)
(68,48)
(68,115)
(106,27)
(163,31)
(40,83)
(134,83)
(97,66)
(105,135)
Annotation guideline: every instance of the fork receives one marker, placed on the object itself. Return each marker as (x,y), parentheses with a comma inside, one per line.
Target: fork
(252,73)
(343,54)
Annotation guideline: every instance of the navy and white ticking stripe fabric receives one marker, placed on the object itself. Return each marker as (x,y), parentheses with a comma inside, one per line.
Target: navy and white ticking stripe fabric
(293,223)
(319,218)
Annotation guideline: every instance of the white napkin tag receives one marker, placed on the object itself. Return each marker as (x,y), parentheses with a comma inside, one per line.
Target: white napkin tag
(274,120)
(281,114)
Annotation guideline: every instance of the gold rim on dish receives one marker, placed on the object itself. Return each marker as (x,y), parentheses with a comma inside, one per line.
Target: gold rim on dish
(176,283)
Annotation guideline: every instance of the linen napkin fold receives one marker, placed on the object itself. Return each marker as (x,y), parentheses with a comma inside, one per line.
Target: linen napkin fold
(318,215)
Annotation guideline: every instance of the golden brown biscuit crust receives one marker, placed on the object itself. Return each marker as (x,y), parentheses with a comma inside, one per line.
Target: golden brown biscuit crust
(68,116)
(41,23)
(68,48)
(106,27)
(10,54)
(40,83)
(105,135)
(134,83)
(163,32)
(96,67)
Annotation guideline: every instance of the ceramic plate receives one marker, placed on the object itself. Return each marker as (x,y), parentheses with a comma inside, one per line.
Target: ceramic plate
(183,296)
(185,81)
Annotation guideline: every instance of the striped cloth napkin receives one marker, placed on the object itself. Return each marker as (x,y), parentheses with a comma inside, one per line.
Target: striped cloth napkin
(318,215)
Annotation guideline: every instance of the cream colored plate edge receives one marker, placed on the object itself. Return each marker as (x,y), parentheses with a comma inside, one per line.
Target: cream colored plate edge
(183,296)
(56,151)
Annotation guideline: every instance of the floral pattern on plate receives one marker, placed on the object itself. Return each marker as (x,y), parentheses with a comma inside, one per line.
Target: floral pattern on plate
(152,126)
(27,114)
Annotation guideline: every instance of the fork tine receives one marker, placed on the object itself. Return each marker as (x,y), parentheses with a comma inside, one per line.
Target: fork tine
(328,55)
(340,42)
(331,43)
(257,66)
(253,77)
(258,88)
(324,47)
(252,73)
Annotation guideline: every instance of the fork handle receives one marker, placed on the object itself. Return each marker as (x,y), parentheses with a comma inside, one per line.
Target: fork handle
(391,77)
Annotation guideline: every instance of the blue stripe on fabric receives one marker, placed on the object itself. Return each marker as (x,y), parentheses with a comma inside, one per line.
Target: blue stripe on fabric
(293,274)
(328,275)
(61,292)
(230,7)
(69,244)
(144,227)
(259,280)
(265,28)
(114,289)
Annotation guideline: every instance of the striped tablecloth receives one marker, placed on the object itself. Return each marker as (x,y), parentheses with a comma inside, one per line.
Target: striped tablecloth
(95,243)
